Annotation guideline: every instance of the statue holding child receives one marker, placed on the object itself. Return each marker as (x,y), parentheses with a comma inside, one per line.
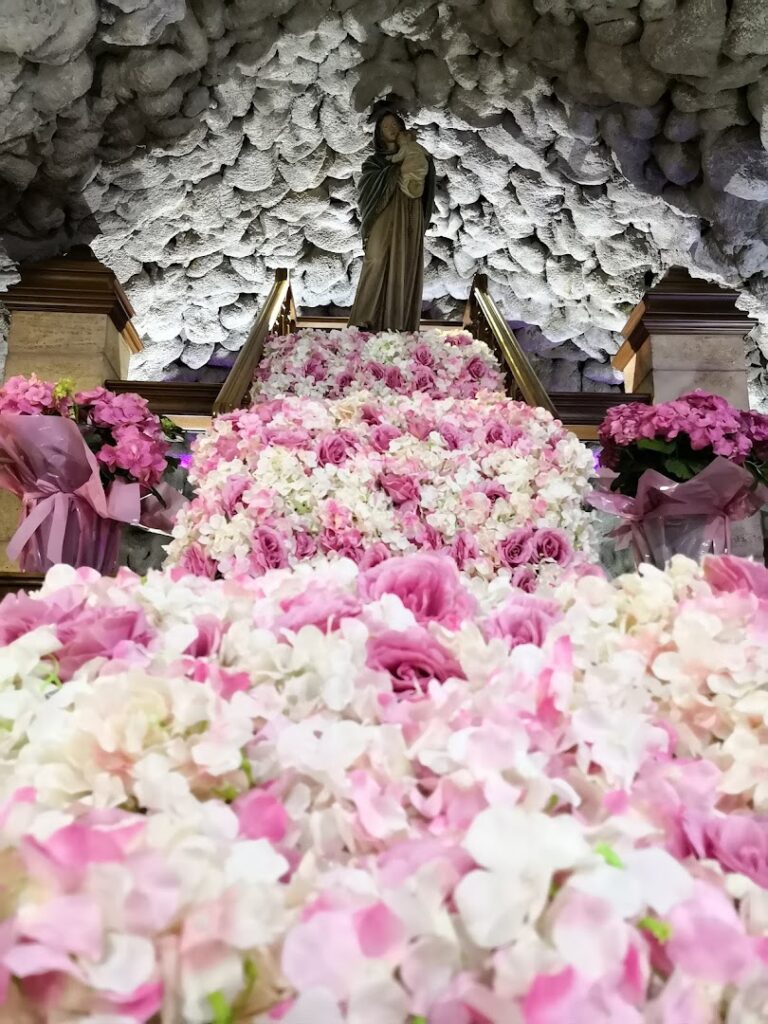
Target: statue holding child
(397,197)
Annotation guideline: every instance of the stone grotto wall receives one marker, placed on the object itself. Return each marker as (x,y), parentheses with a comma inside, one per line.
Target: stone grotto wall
(582,145)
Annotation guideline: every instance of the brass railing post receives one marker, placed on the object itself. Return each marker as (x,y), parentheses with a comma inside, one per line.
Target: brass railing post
(238,383)
(489,323)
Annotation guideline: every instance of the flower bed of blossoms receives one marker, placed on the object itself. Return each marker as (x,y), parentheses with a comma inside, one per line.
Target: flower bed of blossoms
(331,364)
(493,483)
(390,795)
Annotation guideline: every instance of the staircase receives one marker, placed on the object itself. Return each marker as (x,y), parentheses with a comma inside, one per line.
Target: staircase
(193,405)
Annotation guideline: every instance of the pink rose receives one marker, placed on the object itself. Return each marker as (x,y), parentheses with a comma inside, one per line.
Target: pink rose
(523,620)
(316,367)
(740,843)
(493,491)
(345,543)
(464,548)
(551,546)
(370,414)
(336,448)
(517,547)
(231,492)
(419,426)
(377,370)
(423,355)
(499,432)
(318,606)
(382,436)
(394,378)
(343,381)
(196,562)
(525,578)
(287,437)
(374,555)
(412,657)
(428,585)
(423,379)
(451,434)
(476,368)
(728,574)
(267,550)
(304,544)
(400,488)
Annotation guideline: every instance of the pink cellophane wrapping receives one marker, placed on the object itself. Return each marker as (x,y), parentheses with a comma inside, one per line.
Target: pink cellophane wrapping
(67,516)
(691,518)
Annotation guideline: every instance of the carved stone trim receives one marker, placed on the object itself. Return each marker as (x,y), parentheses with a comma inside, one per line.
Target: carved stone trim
(75,283)
(681,304)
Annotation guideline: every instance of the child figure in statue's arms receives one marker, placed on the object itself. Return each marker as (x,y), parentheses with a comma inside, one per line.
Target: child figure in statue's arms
(413,162)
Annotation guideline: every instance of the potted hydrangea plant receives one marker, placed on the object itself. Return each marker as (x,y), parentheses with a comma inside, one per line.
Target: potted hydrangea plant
(679,473)
(84,464)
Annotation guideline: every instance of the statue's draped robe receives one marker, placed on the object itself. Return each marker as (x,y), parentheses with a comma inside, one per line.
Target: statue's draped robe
(389,293)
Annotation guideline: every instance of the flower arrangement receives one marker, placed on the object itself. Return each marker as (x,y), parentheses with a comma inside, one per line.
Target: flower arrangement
(127,439)
(495,484)
(83,464)
(391,794)
(680,439)
(681,472)
(332,364)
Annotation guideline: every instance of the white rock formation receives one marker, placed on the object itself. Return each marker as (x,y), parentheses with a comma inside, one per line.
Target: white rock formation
(582,147)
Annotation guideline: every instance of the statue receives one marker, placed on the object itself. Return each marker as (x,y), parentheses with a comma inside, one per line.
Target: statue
(397,198)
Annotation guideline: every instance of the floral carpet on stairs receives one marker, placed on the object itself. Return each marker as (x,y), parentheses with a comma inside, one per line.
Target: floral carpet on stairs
(410,759)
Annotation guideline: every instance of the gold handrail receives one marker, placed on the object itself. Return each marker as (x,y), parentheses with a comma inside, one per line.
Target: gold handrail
(517,361)
(240,378)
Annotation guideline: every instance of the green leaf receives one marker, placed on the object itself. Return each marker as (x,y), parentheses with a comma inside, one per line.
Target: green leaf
(609,855)
(682,470)
(655,444)
(659,929)
(418,1020)
(222,1012)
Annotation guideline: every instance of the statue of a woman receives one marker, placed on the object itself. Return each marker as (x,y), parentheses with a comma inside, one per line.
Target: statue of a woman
(397,197)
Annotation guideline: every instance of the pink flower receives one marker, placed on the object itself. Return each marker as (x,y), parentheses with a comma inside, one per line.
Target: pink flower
(30,396)
(394,379)
(524,577)
(422,355)
(304,544)
(427,585)
(727,574)
(261,816)
(707,939)
(412,657)
(138,455)
(740,843)
(400,488)
(517,547)
(551,546)
(523,620)
(267,550)
(317,606)
(196,562)
(499,432)
(451,434)
(374,555)
(334,449)
(111,410)
(345,543)
(377,370)
(382,436)
(476,368)
(464,548)
(423,379)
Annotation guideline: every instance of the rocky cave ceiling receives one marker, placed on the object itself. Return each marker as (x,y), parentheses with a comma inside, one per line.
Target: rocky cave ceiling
(196,145)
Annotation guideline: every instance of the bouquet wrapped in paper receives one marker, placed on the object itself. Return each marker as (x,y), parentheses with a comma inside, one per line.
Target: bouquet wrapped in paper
(83,466)
(680,473)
